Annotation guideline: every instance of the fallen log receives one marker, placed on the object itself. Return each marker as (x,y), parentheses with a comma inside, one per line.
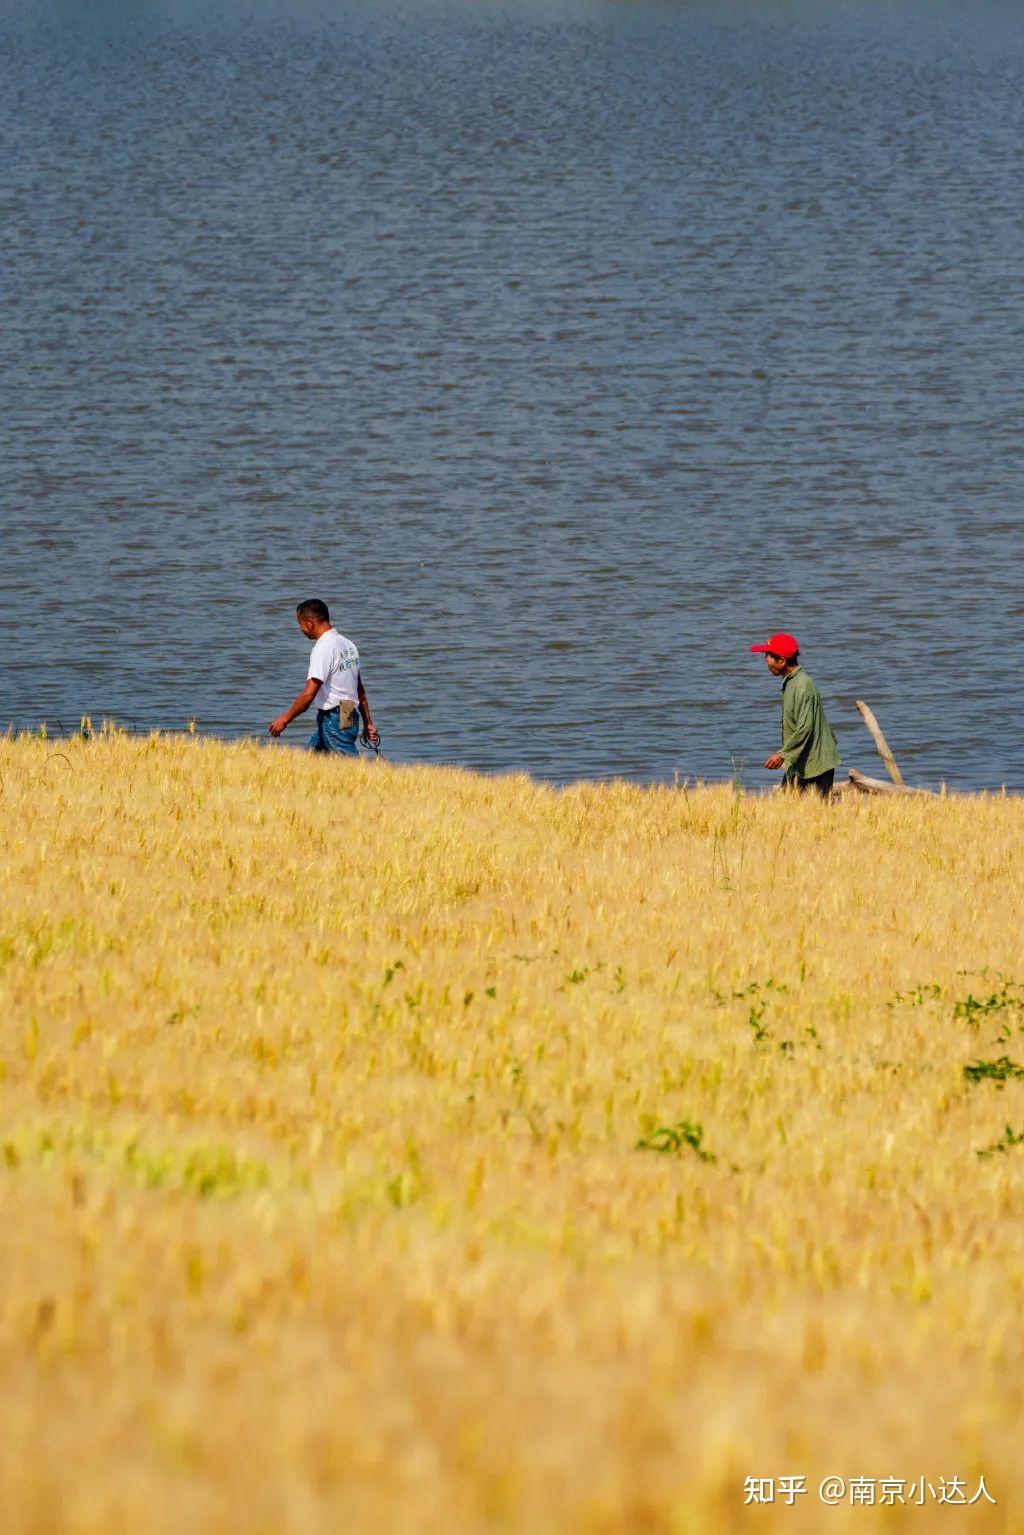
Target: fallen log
(868,785)
(884,749)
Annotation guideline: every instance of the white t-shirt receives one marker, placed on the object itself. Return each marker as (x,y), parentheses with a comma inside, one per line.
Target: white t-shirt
(334,662)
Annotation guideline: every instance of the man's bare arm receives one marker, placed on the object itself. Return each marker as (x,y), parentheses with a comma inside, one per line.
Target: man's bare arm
(301,704)
(369,728)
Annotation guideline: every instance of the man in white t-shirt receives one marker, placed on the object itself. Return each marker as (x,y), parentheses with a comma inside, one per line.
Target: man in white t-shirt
(333,683)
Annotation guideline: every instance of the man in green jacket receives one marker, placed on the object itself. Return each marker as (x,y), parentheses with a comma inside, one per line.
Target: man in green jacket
(808,752)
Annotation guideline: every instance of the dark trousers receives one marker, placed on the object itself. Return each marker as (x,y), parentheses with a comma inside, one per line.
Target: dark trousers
(822,784)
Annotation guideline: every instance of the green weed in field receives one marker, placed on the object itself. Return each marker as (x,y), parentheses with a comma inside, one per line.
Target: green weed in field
(1009,1139)
(1002,1070)
(672,1139)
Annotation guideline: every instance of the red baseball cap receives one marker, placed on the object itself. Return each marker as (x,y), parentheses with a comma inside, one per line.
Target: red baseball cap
(783,645)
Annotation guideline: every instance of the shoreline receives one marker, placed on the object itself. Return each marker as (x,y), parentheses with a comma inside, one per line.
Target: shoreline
(844,787)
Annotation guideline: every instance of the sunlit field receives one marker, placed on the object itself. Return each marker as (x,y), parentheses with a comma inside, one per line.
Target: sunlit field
(397,1149)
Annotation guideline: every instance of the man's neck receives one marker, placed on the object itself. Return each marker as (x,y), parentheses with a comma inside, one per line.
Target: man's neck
(319,633)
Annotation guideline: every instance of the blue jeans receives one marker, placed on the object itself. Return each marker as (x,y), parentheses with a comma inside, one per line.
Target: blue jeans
(329,736)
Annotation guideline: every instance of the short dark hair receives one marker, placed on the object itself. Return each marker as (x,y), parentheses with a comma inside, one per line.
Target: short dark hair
(315,609)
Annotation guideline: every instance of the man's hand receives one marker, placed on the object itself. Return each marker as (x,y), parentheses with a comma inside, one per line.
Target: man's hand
(277,727)
(371,732)
(774,761)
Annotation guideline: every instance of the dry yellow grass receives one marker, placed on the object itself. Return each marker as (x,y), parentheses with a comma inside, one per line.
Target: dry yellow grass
(322,1203)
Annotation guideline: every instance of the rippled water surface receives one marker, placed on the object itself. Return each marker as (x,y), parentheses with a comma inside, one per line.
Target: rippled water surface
(563,348)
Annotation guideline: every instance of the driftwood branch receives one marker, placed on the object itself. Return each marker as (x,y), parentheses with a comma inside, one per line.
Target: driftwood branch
(868,785)
(884,749)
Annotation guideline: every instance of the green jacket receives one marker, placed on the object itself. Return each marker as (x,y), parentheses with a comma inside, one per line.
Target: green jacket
(808,745)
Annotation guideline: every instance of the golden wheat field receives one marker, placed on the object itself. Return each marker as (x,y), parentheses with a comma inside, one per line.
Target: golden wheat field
(397,1149)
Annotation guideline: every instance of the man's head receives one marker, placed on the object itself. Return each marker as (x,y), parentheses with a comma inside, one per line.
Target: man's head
(781,654)
(313,617)
(779,665)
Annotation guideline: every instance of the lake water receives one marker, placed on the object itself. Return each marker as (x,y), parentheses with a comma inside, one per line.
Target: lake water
(564,349)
